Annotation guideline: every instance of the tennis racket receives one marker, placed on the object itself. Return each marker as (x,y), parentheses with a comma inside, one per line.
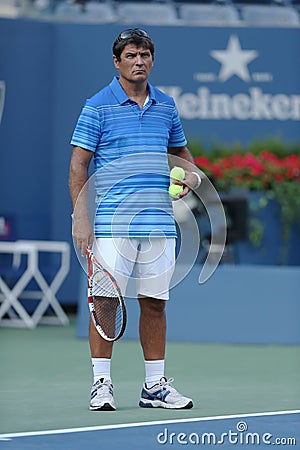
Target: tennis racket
(105,300)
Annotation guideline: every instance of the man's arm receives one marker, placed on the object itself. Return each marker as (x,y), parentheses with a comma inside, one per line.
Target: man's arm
(82,231)
(191,180)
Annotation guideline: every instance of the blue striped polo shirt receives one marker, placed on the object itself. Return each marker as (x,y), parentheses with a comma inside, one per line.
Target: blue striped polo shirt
(130,147)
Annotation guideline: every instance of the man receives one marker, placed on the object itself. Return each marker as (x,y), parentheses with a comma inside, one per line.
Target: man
(129,127)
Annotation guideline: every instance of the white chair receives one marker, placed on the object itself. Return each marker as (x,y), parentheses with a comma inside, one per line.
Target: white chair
(15,280)
(147,13)
(269,15)
(209,14)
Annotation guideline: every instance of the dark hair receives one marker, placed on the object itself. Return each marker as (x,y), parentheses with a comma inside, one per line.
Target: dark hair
(136,39)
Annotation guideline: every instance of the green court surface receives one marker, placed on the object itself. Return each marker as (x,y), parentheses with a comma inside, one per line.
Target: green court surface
(46,378)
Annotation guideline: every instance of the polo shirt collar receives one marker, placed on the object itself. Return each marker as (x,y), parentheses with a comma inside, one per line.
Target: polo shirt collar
(121,95)
(151,93)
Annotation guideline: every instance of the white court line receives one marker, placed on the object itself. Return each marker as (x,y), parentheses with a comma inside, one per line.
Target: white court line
(9,436)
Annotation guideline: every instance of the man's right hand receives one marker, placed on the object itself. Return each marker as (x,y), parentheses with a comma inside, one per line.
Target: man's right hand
(82,233)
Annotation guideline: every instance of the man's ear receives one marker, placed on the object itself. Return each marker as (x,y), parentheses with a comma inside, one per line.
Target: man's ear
(116,62)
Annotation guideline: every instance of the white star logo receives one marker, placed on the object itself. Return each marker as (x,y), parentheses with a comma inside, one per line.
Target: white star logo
(234,60)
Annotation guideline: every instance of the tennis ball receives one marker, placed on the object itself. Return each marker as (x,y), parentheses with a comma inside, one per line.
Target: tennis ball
(177,173)
(175,189)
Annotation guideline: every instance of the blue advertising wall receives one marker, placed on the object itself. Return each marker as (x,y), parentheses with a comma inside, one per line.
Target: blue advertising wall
(237,305)
(229,84)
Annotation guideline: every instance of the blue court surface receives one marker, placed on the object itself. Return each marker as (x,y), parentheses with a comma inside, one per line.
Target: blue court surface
(252,431)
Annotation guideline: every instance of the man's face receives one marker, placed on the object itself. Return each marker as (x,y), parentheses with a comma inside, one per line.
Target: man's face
(135,63)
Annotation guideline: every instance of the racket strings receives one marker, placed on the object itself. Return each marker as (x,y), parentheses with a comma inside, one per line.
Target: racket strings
(108,313)
(108,309)
(102,285)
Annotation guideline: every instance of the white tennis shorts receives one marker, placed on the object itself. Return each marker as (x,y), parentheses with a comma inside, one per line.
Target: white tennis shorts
(150,262)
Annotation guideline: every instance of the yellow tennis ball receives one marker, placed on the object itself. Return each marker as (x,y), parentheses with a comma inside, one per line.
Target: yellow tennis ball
(177,173)
(175,189)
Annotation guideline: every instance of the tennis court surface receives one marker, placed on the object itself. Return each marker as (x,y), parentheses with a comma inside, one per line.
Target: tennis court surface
(245,395)
(251,431)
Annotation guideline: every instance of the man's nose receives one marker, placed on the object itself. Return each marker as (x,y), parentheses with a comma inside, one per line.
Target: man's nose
(139,60)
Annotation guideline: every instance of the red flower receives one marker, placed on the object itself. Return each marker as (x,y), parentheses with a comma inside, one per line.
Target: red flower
(279,177)
(216,171)
(249,170)
(202,162)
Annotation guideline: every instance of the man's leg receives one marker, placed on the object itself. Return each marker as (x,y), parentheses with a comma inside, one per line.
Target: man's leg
(102,391)
(107,252)
(153,338)
(110,253)
(157,390)
(155,272)
(100,348)
(152,328)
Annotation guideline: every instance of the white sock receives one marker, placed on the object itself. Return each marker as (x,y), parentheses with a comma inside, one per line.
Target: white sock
(101,368)
(155,370)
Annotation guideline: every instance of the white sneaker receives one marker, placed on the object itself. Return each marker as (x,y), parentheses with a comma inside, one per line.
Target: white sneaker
(102,397)
(163,395)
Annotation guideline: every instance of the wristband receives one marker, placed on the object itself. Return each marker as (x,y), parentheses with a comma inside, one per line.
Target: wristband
(199,180)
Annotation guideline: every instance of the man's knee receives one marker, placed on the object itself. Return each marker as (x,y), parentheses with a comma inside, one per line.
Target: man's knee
(152,305)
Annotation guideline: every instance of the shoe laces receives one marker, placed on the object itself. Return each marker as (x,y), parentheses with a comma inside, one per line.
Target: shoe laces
(166,383)
(103,387)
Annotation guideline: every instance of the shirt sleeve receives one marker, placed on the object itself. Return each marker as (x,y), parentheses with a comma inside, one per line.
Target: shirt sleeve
(88,129)
(177,137)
